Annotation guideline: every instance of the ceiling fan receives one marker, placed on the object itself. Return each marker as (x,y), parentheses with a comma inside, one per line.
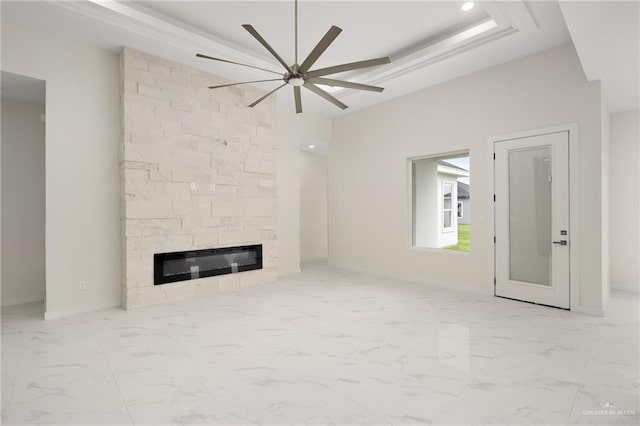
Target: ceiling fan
(301,75)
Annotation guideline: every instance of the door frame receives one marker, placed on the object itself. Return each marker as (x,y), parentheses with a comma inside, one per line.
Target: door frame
(574,202)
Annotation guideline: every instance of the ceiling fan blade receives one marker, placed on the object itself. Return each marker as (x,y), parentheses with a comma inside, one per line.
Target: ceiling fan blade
(263,42)
(298,98)
(318,91)
(200,55)
(322,45)
(267,95)
(244,82)
(348,67)
(347,84)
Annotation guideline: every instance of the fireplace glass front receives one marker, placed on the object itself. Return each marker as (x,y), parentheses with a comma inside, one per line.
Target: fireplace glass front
(194,264)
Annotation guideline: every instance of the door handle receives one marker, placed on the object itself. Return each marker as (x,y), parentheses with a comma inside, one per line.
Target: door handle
(561,242)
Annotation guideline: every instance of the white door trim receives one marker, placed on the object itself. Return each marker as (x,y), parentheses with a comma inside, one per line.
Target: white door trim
(574,203)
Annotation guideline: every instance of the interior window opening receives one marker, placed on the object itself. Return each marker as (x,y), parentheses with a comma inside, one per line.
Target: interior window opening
(441,195)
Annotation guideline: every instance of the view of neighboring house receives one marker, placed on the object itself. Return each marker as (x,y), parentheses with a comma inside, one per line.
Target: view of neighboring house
(448,180)
(436,196)
(464,198)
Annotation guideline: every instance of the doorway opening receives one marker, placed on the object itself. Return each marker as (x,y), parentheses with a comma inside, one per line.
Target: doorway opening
(23,192)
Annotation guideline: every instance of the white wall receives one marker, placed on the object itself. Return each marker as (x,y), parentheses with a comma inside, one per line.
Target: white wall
(82,176)
(288,192)
(604,187)
(426,203)
(292,132)
(368,184)
(23,195)
(624,200)
(313,206)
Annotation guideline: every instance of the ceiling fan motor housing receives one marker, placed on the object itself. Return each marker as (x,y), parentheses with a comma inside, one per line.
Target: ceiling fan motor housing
(295,79)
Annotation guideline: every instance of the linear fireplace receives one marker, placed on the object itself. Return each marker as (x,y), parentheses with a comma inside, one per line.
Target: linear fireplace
(194,264)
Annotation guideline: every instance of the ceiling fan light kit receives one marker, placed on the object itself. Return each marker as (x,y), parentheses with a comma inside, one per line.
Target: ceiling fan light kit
(302,75)
(295,81)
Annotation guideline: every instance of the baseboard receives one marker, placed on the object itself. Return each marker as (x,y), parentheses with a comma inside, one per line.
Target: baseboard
(634,288)
(605,297)
(287,272)
(48,315)
(481,290)
(307,263)
(587,310)
(21,300)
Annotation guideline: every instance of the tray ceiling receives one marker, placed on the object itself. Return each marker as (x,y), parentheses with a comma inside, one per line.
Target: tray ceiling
(428,42)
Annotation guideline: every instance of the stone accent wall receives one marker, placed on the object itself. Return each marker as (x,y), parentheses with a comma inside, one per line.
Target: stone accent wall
(198,171)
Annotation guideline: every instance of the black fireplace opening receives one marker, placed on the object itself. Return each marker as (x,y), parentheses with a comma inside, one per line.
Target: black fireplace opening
(194,264)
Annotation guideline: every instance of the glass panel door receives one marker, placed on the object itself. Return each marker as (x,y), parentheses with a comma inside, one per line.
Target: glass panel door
(530,215)
(532,233)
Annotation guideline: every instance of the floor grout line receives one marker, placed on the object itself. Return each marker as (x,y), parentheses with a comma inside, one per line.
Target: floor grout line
(327,330)
(14,378)
(582,375)
(115,380)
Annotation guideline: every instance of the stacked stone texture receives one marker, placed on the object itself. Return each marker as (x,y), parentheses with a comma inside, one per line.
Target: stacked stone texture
(197,171)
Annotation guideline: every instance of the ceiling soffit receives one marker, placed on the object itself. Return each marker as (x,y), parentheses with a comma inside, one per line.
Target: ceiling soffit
(500,19)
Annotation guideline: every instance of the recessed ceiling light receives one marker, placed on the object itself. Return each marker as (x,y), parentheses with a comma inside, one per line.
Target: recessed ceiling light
(312,146)
(468,6)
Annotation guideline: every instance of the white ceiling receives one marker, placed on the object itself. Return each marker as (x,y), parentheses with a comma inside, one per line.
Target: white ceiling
(428,42)
(21,88)
(607,38)
(374,27)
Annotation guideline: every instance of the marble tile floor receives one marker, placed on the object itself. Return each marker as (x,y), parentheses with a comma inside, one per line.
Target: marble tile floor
(324,347)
